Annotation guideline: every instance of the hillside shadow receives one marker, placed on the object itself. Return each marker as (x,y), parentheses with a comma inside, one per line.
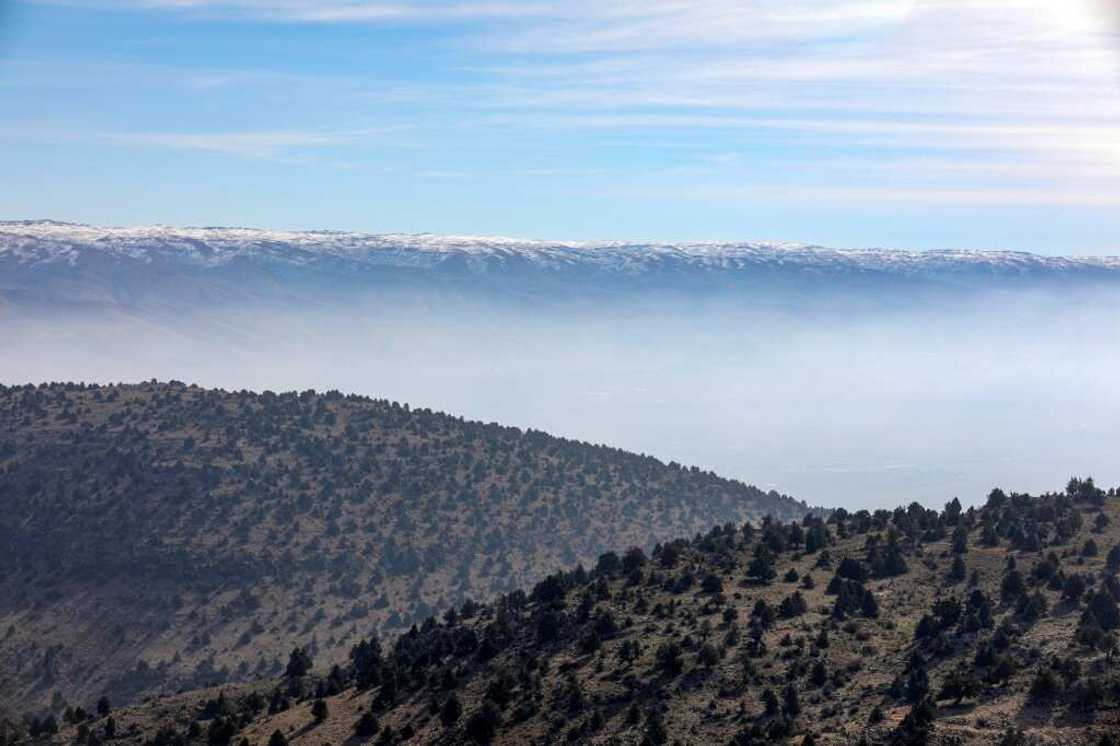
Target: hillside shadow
(1035,715)
(952,709)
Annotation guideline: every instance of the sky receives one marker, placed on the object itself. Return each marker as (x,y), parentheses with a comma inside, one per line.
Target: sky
(990,124)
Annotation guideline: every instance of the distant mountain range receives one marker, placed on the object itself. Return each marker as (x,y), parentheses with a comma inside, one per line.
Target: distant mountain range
(52,262)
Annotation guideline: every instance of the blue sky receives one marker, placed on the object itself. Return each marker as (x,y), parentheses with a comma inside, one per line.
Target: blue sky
(905,123)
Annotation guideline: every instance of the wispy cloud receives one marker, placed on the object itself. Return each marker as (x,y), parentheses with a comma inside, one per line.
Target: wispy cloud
(1007,90)
(247,144)
(332,11)
(251,144)
(918,196)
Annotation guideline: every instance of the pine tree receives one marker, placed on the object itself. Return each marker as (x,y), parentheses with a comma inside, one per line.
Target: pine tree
(1012,586)
(819,675)
(1112,562)
(712,583)
(917,685)
(958,571)
(893,563)
(299,663)
(770,700)
(917,727)
(792,605)
(960,540)
(655,734)
(762,614)
(451,711)
(959,684)
(1103,608)
(367,725)
(669,659)
(791,703)
(1032,607)
(988,536)
(952,514)
(761,567)
(483,724)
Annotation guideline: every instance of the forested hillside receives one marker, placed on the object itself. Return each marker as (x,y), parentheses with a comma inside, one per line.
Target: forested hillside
(160,535)
(990,626)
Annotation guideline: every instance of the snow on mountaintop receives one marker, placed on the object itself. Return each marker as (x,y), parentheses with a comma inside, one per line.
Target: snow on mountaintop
(51,242)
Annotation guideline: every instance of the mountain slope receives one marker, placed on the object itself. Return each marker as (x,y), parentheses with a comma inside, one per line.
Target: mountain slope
(162,535)
(160,266)
(907,627)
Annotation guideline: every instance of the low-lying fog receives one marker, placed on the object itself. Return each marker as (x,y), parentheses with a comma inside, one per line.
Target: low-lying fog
(858,410)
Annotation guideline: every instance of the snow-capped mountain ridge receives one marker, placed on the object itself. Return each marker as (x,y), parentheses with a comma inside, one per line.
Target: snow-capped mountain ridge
(44,243)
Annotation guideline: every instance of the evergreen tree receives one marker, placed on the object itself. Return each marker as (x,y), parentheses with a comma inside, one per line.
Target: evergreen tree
(977,612)
(791,703)
(669,659)
(819,674)
(770,701)
(1102,608)
(483,724)
(960,684)
(960,540)
(917,685)
(222,730)
(1012,586)
(367,725)
(1032,607)
(1112,562)
(762,614)
(917,727)
(890,561)
(655,733)
(366,661)
(988,536)
(299,663)
(761,567)
(958,571)
(852,569)
(952,514)
(792,605)
(712,583)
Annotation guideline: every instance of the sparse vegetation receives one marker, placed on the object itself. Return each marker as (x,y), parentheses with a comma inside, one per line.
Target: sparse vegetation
(733,662)
(190,537)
